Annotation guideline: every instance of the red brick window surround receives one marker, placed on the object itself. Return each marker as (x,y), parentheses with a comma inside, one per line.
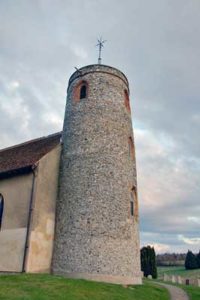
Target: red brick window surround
(135,202)
(80,91)
(1,209)
(127,101)
(131,150)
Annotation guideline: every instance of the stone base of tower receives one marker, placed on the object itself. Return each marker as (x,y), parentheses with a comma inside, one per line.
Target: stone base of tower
(136,280)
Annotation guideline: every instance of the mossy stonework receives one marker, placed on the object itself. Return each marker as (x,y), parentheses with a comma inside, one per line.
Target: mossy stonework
(97,235)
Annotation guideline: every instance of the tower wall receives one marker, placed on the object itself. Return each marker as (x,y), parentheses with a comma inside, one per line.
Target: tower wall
(96,235)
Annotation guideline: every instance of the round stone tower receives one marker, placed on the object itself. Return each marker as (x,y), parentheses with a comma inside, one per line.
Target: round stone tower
(97,233)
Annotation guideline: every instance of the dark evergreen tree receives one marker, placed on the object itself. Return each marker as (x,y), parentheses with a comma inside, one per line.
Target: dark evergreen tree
(153,263)
(148,261)
(144,261)
(190,261)
(198,259)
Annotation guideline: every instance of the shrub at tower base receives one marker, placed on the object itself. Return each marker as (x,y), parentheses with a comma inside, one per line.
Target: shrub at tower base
(191,261)
(148,261)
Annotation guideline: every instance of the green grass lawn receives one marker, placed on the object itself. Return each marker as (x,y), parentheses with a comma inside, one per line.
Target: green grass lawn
(49,287)
(192,291)
(178,271)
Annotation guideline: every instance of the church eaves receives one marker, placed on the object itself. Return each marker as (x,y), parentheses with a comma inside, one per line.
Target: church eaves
(20,159)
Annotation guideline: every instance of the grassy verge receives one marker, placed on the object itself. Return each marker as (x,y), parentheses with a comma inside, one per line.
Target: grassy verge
(180,271)
(47,287)
(192,291)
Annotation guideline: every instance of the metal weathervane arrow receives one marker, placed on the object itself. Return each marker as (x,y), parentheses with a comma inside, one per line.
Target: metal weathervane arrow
(100,45)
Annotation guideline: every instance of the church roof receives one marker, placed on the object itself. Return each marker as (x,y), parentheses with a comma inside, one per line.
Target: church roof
(22,158)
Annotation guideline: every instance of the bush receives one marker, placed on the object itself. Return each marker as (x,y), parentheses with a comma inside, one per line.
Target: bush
(191,261)
(148,261)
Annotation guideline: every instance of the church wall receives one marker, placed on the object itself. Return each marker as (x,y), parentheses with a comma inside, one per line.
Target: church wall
(43,216)
(16,192)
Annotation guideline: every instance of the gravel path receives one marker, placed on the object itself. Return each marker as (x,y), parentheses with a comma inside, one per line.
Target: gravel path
(175,292)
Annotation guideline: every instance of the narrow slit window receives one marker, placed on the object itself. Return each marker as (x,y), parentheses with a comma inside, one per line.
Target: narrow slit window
(127,101)
(132,209)
(1,209)
(131,150)
(83,92)
(134,203)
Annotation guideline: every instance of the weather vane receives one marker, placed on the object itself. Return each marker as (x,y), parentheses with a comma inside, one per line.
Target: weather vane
(100,45)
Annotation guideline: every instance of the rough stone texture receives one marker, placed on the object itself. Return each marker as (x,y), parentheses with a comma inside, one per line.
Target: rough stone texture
(96,236)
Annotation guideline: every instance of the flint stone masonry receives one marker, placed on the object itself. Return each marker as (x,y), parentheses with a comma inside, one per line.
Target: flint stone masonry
(96,236)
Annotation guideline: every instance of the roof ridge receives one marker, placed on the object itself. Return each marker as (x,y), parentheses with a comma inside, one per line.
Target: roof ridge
(30,141)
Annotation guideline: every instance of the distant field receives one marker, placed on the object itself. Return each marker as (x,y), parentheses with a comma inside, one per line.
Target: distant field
(178,271)
(49,287)
(178,263)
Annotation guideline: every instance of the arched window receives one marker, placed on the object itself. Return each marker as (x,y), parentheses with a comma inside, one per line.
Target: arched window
(127,101)
(1,209)
(83,92)
(80,91)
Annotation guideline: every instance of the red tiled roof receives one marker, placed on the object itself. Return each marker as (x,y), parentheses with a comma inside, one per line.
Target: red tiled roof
(27,154)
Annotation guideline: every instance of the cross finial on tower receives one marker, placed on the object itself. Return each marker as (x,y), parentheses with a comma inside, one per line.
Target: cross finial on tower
(100,45)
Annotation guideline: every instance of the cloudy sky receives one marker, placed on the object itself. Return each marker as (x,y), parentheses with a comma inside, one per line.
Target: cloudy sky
(156,44)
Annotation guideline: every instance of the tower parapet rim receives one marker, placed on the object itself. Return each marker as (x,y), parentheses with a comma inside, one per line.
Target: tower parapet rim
(99,69)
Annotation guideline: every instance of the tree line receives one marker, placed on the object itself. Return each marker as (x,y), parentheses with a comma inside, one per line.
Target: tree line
(192,261)
(170,259)
(149,265)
